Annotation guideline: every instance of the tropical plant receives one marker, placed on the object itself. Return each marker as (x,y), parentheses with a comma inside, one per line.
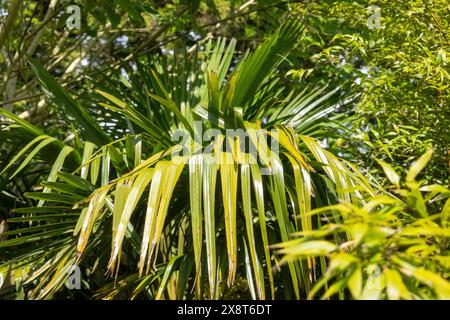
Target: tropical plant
(396,246)
(400,68)
(209,215)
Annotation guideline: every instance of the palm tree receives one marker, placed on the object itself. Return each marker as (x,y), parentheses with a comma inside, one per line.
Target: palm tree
(186,220)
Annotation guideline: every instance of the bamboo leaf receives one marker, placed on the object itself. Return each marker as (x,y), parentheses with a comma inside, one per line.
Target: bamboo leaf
(393,177)
(418,166)
(395,287)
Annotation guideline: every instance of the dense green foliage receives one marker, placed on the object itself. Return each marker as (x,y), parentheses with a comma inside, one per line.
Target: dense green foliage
(401,70)
(393,247)
(224,149)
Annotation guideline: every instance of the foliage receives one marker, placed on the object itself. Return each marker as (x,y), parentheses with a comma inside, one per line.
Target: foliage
(393,247)
(175,145)
(400,69)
